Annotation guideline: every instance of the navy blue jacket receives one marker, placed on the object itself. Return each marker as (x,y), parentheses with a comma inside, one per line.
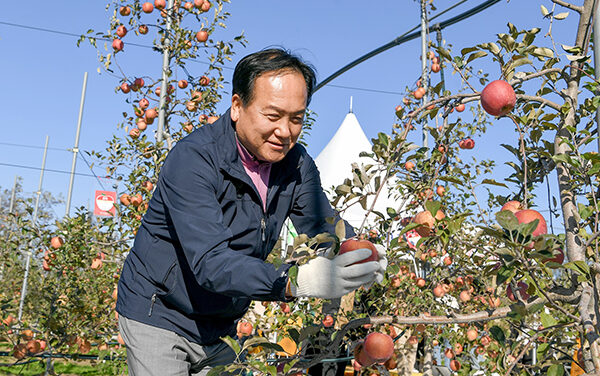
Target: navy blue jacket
(198,258)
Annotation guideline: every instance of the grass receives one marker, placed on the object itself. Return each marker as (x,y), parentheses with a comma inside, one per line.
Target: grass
(64,367)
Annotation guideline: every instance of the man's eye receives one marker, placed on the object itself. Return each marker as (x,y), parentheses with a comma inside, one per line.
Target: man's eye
(298,120)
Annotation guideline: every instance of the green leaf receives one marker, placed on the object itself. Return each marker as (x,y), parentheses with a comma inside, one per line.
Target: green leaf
(433,207)
(300,239)
(216,371)
(408,227)
(507,220)
(493,182)
(547,320)
(580,267)
(293,274)
(504,274)
(308,331)
(498,334)
(544,11)
(451,179)
(476,55)
(556,370)
(254,341)
(235,346)
(542,349)
(340,229)
(571,49)
(561,16)
(543,51)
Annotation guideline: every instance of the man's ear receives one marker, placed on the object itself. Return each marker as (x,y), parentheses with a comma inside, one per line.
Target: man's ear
(236,107)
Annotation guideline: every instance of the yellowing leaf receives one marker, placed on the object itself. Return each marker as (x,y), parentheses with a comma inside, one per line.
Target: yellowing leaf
(561,16)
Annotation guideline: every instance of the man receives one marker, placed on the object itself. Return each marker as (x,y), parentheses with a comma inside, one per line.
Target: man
(219,205)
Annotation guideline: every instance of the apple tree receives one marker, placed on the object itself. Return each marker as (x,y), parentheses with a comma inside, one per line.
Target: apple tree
(476,278)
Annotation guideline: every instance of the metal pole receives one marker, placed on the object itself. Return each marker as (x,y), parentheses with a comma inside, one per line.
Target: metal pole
(35,212)
(10,226)
(438,36)
(596,17)
(424,78)
(12,197)
(162,113)
(76,148)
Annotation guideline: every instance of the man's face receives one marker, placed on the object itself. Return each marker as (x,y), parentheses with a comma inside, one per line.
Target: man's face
(269,125)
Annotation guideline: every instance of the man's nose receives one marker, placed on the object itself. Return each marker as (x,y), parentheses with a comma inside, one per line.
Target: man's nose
(283,128)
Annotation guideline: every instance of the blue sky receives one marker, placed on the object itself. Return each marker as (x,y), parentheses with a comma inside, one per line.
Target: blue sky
(42,72)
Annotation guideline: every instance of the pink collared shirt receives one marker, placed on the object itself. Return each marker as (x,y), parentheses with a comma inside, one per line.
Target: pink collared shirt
(257,171)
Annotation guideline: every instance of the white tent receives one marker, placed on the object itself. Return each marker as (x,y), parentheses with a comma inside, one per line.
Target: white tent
(335,165)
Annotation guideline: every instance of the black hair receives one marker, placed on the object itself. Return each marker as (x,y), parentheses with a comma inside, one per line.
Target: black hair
(252,66)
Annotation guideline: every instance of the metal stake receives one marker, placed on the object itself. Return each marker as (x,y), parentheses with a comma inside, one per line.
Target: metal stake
(35,212)
(596,17)
(162,113)
(76,148)
(424,78)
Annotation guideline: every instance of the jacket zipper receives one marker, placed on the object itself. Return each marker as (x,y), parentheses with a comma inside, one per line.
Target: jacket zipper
(263,227)
(152,300)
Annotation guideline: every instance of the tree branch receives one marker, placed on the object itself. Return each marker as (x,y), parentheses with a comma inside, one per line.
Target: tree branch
(545,101)
(574,7)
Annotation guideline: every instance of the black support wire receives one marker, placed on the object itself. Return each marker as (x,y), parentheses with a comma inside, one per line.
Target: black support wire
(408,36)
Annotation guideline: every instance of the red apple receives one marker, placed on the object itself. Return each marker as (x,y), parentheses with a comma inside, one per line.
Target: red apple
(498,98)
(353,244)
(449,353)
(188,6)
(117,45)
(204,80)
(472,334)
(125,87)
(529,215)
(447,260)
(205,6)
(202,36)
(56,242)
(144,103)
(134,133)
(435,68)
(379,346)
(151,113)
(460,107)
(182,84)
(160,4)
(125,199)
(513,206)
(420,282)
(143,29)
(409,165)
(426,220)
(244,328)
(439,291)
(124,11)
(198,3)
(522,287)
(147,7)
(559,257)
(454,365)
(138,83)
(121,31)
(419,93)
(328,321)
(465,296)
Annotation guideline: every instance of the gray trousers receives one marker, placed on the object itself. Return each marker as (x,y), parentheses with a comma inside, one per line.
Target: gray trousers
(156,351)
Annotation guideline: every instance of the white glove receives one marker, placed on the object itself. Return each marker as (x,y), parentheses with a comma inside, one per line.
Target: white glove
(330,279)
(383,263)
